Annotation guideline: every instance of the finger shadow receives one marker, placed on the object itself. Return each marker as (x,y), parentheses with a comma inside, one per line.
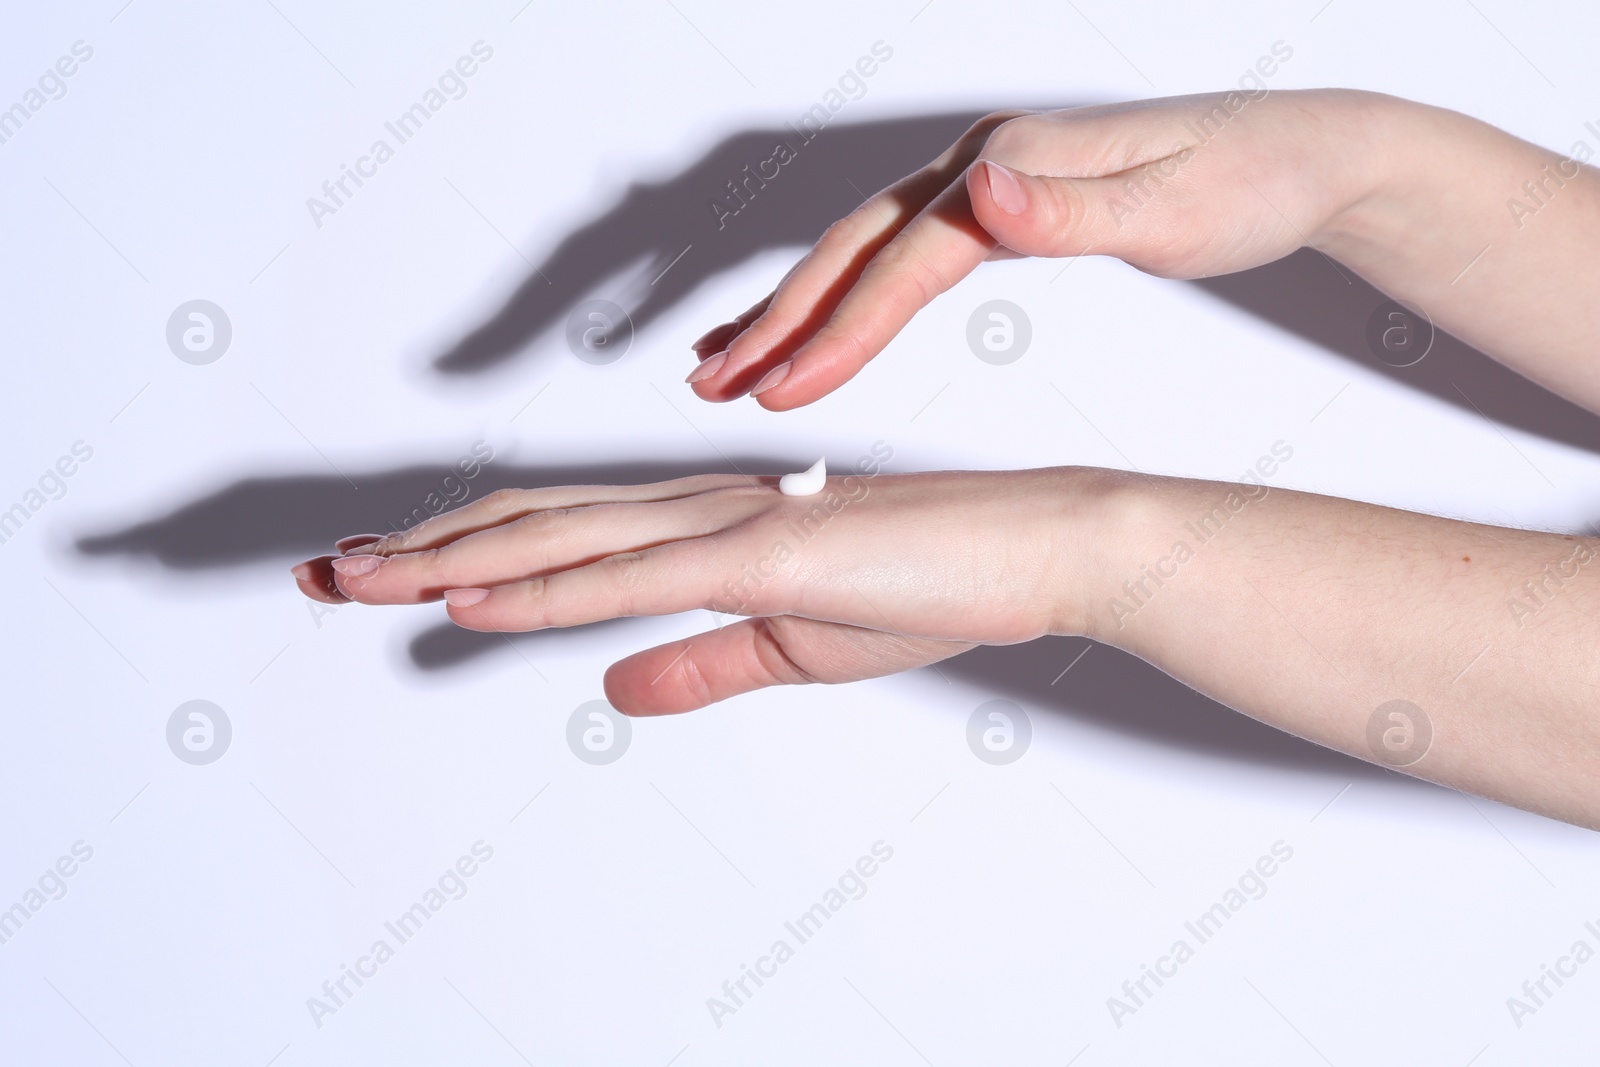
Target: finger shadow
(735,202)
(267,518)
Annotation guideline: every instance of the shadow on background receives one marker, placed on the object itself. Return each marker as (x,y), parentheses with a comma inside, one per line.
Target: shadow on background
(296,516)
(672,228)
(828,178)
(1307,295)
(1108,688)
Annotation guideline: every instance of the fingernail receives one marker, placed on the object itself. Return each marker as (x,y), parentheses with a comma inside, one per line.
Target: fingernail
(356,566)
(774,376)
(705,338)
(345,544)
(465,598)
(1004,189)
(708,368)
(303,571)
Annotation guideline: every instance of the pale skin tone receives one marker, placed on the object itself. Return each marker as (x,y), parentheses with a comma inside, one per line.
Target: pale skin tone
(1306,612)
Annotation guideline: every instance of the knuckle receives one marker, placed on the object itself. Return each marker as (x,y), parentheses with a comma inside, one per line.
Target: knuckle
(847,231)
(541,520)
(626,575)
(695,681)
(499,497)
(903,264)
(1011,136)
(856,352)
(1003,139)
(1071,210)
(502,501)
(533,603)
(994,120)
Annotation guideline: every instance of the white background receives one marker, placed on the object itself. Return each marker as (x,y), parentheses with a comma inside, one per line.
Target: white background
(372,748)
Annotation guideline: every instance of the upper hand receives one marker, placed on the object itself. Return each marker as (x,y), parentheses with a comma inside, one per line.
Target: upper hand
(1182,187)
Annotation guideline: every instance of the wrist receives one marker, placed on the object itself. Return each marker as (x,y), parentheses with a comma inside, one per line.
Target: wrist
(1100,516)
(1371,139)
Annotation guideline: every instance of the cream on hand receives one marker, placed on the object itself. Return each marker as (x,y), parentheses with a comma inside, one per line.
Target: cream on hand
(807,482)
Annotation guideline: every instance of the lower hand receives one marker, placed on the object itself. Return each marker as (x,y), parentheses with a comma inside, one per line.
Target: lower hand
(874,575)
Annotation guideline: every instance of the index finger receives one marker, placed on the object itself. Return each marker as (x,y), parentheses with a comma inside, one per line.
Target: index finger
(939,247)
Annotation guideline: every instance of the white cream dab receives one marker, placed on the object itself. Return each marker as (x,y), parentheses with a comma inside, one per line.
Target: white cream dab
(808,482)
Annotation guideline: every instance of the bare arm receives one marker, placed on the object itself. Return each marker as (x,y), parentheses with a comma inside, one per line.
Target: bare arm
(1312,613)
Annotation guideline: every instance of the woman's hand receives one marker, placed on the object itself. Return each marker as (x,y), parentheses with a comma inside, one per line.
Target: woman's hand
(1497,247)
(1317,615)
(876,574)
(1184,187)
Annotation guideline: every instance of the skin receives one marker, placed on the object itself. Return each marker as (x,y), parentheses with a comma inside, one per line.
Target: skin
(1306,612)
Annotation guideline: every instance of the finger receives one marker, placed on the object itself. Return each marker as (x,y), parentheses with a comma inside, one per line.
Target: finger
(345,544)
(814,287)
(706,668)
(717,338)
(664,580)
(315,578)
(1042,215)
(939,247)
(508,505)
(539,543)
(756,653)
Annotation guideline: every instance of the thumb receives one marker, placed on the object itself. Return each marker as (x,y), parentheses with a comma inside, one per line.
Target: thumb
(1039,215)
(700,670)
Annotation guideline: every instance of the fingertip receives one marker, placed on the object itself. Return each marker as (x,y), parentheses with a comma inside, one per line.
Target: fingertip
(315,579)
(468,618)
(624,691)
(716,337)
(466,608)
(647,684)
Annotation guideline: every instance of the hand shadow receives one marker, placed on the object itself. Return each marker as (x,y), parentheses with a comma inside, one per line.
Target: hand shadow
(733,204)
(278,519)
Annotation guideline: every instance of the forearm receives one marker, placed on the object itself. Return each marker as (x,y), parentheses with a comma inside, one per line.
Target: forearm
(1492,237)
(1310,612)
